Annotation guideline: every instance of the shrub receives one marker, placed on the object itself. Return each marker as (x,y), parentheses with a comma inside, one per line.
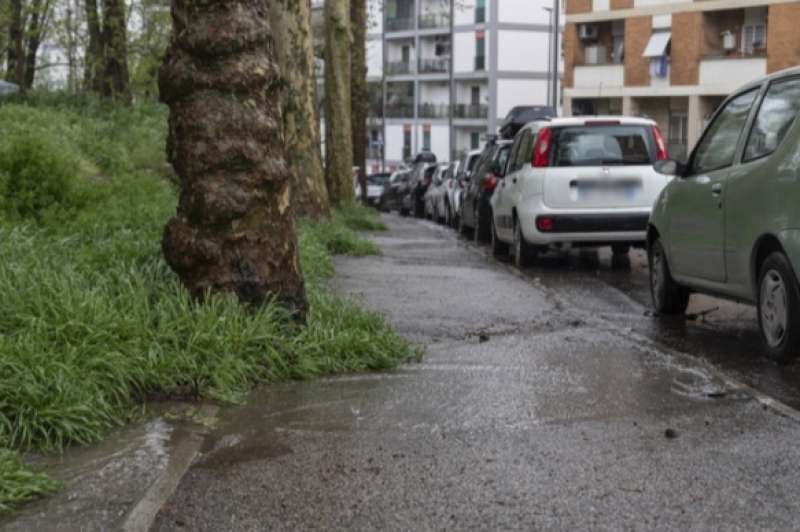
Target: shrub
(38,177)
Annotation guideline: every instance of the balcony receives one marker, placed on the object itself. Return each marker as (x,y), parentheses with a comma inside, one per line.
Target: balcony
(400,108)
(480,63)
(434,20)
(399,68)
(726,75)
(599,77)
(436,65)
(434,110)
(399,24)
(475,111)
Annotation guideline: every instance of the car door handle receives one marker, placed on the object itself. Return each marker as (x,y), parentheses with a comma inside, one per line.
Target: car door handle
(716,189)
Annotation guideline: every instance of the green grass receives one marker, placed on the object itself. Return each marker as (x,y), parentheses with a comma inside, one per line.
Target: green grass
(92,321)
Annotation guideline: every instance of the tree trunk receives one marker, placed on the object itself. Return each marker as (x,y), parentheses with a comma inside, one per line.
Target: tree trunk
(295,51)
(115,84)
(35,26)
(234,230)
(15,62)
(93,78)
(338,125)
(359,91)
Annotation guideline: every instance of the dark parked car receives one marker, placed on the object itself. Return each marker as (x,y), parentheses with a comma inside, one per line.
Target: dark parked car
(394,191)
(422,171)
(375,185)
(475,211)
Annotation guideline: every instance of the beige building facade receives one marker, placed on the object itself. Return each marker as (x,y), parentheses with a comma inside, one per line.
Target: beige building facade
(672,60)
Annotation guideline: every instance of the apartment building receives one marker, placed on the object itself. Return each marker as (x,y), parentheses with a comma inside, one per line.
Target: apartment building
(672,60)
(443,73)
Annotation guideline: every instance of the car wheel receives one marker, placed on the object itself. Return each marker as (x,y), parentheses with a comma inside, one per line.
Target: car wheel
(419,208)
(524,253)
(499,248)
(462,226)
(668,296)
(621,249)
(779,308)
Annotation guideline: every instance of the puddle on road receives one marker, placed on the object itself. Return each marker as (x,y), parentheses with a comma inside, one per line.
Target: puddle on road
(698,384)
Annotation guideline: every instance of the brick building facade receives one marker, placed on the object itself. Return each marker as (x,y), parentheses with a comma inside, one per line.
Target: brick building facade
(672,60)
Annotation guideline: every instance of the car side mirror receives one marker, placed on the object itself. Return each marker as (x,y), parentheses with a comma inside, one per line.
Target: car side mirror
(669,167)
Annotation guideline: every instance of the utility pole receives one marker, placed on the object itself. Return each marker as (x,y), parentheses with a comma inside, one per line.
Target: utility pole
(555,53)
(451,135)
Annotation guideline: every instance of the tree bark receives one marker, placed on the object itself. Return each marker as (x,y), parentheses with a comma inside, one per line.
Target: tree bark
(291,20)
(15,62)
(359,91)
(234,230)
(338,122)
(93,78)
(116,79)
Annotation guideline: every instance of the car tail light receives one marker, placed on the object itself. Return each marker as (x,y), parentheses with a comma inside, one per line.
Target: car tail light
(661,148)
(544,224)
(489,182)
(541,151)
(460,183)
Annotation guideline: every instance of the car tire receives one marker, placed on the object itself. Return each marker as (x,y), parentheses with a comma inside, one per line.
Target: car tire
(524,253)
(668,297)
(499,248)
(779,308)
(419,208)
(621,249)
(462,226)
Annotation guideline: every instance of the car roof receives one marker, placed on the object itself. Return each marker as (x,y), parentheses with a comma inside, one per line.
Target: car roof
(793,71)
(584,120)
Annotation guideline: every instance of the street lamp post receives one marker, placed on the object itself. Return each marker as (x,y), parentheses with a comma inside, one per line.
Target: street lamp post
(555,52)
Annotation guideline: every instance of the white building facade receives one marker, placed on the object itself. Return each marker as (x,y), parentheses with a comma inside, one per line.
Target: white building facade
(444,73)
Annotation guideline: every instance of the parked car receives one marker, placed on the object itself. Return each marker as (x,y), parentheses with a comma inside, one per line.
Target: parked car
(475,213)
(421,178)
(462,176)
(434,196)
(729,224)
(578,182)
(375,185)
(452,194)
(395,190)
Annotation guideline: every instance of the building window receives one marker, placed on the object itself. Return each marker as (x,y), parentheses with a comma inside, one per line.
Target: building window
(480,51)
(480,12)
(474,140)
(426,138)
(407,142)
(754,38)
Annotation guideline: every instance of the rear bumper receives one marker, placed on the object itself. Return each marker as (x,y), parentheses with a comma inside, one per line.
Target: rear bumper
(595,226)
(596,223)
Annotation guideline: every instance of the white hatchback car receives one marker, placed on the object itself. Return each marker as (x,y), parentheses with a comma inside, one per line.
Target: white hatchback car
(586,181)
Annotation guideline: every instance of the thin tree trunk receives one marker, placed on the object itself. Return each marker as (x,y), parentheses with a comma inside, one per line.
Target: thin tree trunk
(35,27)
(234,230)
(338,125)
(295,51)
(115,47)
(93,78)
(359,91)
(15,63)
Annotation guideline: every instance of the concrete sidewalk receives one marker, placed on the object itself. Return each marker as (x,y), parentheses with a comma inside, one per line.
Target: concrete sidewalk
(527,413)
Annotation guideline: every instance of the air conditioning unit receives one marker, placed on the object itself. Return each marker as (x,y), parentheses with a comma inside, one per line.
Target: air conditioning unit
(596,55)
(728,41)
(587,32)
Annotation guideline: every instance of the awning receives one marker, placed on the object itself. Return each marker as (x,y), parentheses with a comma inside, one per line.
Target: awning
(657,46)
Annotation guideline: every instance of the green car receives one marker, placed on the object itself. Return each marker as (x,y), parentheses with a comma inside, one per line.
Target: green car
(729,223)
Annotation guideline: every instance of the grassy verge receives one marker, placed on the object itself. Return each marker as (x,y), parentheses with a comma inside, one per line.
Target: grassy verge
(93,323)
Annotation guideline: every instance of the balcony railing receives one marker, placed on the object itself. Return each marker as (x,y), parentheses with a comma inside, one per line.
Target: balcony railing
(399,68)
(436,65)
(400,110)
(399,24)
(434,20)
(480,15)
(471,110)
(434,110)
(374,152)
(480,63)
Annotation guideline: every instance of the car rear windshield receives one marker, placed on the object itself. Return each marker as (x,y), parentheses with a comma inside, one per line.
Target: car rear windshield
(472,162)
(603,146)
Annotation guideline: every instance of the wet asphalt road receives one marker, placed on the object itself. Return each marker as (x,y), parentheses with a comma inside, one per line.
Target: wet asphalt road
(547,400)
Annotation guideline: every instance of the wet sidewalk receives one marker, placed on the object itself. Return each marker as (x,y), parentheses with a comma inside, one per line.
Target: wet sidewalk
(528,412)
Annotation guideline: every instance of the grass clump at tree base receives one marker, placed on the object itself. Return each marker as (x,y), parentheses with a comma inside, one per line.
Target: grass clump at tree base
(93,322)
